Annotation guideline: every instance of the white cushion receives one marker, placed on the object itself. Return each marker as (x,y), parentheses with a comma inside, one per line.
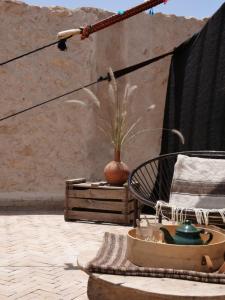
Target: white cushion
(198,183)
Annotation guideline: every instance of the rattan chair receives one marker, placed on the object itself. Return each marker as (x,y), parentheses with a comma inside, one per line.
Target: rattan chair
(151,181)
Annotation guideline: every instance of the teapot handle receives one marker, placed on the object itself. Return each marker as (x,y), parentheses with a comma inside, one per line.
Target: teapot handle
(209,234)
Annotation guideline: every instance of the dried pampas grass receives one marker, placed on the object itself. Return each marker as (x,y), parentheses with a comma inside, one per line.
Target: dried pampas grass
(115,126)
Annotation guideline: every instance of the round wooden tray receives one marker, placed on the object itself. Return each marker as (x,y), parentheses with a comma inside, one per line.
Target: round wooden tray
(189,257)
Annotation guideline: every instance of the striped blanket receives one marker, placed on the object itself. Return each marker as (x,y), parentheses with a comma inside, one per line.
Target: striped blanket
(198,183)
(111,259)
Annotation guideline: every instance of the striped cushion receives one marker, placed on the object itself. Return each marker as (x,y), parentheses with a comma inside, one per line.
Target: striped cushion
(198,183)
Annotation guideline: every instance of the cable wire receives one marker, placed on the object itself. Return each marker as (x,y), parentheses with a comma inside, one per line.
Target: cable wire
(47,101)
(33,51)
(117,74)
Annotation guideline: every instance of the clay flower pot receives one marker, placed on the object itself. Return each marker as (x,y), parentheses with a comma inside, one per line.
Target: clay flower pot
(116,172)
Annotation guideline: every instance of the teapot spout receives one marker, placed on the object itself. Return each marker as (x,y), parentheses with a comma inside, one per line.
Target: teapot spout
(167,236)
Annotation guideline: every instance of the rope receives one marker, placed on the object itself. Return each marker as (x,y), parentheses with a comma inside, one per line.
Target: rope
(117,74)
(86,31)
(133,68)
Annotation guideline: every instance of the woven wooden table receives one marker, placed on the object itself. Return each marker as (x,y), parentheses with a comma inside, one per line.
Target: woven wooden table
(116,287)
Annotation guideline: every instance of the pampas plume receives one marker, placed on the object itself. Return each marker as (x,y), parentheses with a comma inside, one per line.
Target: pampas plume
(115,125)
(93,97)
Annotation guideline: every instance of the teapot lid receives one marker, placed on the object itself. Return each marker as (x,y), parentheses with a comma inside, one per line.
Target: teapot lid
(187,227)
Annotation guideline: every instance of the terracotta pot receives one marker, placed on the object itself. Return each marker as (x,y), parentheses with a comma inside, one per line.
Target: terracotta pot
(116,172)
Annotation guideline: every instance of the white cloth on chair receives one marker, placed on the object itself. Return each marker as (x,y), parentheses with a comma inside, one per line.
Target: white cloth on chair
(198,184)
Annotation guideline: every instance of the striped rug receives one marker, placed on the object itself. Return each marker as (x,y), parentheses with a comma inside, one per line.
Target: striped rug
(111,259)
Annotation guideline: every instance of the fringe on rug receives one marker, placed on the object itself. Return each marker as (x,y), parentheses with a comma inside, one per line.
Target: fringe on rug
(178,214)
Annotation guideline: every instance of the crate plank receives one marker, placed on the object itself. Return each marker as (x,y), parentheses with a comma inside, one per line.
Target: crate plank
(103,205)
(94,204)
(97,216)
(99,193)
(94,185)
(75,181)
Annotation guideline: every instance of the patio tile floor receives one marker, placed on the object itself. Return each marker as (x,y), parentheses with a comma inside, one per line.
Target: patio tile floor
(38,255)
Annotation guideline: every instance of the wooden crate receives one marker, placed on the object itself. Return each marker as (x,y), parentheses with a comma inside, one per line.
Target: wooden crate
(99,202)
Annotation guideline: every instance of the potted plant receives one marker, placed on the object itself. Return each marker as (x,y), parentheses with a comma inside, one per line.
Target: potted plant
(116,127)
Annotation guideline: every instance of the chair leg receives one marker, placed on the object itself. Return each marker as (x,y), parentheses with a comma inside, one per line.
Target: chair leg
(160,218)
(136,214)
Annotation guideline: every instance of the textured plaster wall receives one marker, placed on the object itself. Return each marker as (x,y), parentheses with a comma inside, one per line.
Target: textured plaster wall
(41,148)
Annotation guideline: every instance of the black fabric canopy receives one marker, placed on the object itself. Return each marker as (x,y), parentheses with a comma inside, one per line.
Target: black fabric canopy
(195,102)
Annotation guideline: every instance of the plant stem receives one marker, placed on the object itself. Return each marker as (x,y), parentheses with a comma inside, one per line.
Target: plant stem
(117,155)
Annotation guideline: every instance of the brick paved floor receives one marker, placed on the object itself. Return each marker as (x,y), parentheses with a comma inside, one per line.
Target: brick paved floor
(38,256)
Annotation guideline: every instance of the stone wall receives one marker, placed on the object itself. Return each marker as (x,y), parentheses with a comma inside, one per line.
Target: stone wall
(41,148)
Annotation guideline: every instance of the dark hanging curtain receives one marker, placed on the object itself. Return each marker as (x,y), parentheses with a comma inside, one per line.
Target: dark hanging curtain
(195,102)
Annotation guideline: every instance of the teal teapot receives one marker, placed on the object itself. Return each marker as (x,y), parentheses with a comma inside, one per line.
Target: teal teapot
(186,234)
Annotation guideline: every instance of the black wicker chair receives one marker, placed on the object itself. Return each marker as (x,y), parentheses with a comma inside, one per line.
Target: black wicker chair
(151,181)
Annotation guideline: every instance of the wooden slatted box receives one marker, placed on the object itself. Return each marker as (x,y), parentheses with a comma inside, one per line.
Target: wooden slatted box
(99,202)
